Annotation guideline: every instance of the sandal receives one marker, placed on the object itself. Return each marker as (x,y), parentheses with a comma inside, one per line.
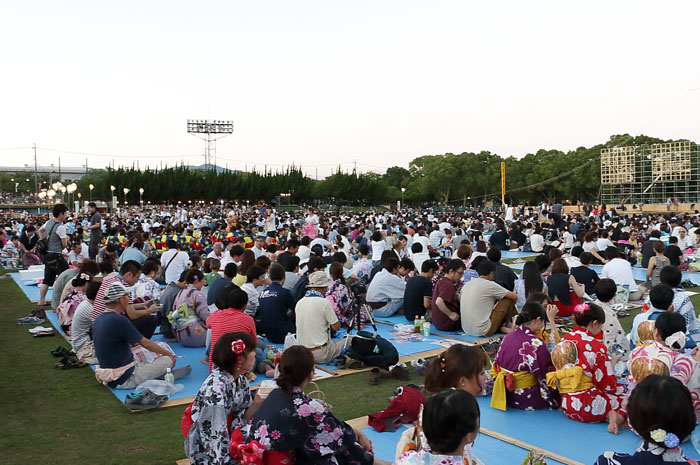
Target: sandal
(44,334)
(374,376)
(61,351)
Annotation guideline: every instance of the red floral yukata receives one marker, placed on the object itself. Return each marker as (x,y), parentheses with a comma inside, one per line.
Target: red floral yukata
(593,404)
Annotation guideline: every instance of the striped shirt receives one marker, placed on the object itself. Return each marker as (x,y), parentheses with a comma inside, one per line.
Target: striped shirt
(99,306)
(227,321)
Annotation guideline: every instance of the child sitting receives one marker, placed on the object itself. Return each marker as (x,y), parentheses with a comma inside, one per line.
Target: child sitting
(10,253)
(584,377)
(663,429)
(661,299)
(450,424)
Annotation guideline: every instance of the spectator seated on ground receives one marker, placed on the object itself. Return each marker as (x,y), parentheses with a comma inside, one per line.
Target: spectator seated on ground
(113,336)
(418,294)
(314,318)
(480,315)
(619,270)
(218,285)
(445,300)
(276,307)
(385,292)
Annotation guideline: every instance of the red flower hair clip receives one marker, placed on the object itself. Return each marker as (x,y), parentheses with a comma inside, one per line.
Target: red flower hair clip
(238,346)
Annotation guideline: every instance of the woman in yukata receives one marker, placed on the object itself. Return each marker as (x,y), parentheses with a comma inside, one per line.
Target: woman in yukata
(522,363)
(451,424)
(292,427)
(584,376)
(662,429)
(224,402)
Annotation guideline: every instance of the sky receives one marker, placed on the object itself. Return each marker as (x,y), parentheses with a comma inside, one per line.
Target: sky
(319,83)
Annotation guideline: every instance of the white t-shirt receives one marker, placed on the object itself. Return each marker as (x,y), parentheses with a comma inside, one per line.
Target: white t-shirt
(620,271)
(378,248)
(314,315)
(602,244)
(568,239)
(537,243)
(177,266)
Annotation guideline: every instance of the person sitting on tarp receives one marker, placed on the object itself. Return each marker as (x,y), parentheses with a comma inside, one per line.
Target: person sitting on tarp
(290,424)
(113,335)
(522,363)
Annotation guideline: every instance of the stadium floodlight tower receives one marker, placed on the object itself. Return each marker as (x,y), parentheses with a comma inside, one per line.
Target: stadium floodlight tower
(210,131)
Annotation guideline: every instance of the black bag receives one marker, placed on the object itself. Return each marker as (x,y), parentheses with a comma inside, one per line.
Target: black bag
(42,245)
(373,350)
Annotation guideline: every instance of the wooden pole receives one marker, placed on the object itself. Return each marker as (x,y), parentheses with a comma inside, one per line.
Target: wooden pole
(529,447)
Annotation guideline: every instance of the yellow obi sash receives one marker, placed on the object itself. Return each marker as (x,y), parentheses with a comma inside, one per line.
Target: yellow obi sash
(504,379)
(569,380)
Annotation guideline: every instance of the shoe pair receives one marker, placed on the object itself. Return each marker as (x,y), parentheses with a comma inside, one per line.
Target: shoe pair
(400,372)
(144,399)
(68,363)
(61,351)
(30,320)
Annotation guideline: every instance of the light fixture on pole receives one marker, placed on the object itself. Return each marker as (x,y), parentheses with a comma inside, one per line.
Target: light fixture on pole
(403,189)
(91,187)
(141,196)
(126,191)
(211,130)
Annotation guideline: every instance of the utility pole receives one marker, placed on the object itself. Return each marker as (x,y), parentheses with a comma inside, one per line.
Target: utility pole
(36,176)
(86,165)
(59,169)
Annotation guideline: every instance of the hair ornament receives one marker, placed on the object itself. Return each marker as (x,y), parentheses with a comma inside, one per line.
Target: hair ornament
(443,363)
(676,340)
(581,308)
(238,347)
(85,276)
(669,440)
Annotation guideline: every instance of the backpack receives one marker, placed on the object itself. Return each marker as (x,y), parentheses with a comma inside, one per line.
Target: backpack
(373,350)
(186,325)
(67,308)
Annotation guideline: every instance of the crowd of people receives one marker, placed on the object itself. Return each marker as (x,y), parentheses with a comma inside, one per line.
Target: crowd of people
(218,278)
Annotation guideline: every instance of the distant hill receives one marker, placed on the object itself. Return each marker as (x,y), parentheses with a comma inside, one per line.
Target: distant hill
(218,169)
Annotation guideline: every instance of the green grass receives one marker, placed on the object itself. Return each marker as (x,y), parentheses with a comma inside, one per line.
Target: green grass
(58,417)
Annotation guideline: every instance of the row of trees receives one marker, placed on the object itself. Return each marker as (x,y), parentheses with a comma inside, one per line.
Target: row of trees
(458,179)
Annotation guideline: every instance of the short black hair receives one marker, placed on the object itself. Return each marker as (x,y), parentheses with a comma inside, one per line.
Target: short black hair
(339,257)
(130,266)
(276,272)
(292,243)
(448,417)
(586,258)
(531,311)
(605,290)
(673,240)
(254,272)
(363,249)
(236,251)
(222,354)
(58,209)
(390,264)
(315,264)
(407,264)
(417,247)
(671,275)
(677,415)
(231,270)
(171,244)
(661,296)
(290,263)
(92,205)
(494,254)
(454,264)
(485,268)
(612,252)
(577,251)
(429,265)
(542,261)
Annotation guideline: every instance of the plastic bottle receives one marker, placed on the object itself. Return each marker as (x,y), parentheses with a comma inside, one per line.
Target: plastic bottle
(169,377)
(416,324)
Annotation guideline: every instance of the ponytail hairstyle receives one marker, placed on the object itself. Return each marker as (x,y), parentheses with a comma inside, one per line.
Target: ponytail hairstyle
(530,312)
(532,278)
(459,360)
(81,279)
(231,349)
(585,314)
(296,365)
(671,327)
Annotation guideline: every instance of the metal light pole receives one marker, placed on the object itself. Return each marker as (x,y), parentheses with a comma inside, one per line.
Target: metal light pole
(91,187)
(141,196)
(403,189)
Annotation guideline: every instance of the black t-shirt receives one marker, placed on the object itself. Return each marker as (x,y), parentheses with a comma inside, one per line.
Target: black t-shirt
(504,276)
(417,288)
(500,240)
(28,242)
(558,285)
(96,233)
(585,276)
(674,253)
(113,335)
(647,252)
(273,311)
